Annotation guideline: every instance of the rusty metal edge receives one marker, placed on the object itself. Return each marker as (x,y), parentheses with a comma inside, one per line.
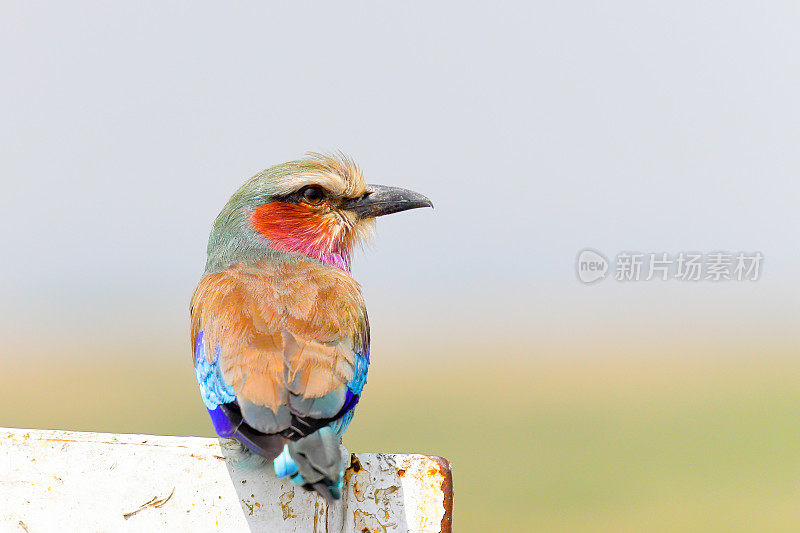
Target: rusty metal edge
(447,492)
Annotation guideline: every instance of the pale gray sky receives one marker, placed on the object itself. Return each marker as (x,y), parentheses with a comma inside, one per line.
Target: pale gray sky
(538,129)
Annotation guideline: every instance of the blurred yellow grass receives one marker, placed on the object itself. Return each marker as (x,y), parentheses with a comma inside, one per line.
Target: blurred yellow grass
(537,443)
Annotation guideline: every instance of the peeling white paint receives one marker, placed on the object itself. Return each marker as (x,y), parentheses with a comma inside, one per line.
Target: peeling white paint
(76,481)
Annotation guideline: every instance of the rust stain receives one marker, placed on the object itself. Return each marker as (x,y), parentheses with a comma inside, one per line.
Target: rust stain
(23,526)
(354,468)
(382,495)
(447,492)
(357,477)
(401,472)
(367,523)
(249,507)
(361,482)
(284,501)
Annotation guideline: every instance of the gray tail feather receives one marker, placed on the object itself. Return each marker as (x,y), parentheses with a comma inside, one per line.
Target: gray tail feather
(326,492)
(319,461)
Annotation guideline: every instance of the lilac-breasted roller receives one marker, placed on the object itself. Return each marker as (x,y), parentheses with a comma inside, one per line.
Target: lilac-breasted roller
(278,326)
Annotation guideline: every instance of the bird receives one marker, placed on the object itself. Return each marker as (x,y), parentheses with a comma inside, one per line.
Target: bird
(279,334)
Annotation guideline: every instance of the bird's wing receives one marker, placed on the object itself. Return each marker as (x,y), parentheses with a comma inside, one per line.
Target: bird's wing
(283,347)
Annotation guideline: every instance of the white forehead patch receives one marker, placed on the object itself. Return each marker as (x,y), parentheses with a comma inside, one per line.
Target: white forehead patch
(336,173)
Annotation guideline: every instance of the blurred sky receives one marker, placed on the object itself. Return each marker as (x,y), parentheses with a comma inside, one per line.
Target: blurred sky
(538,129)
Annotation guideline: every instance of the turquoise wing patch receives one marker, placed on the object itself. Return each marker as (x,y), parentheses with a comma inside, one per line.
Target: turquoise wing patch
(213,388)
(356,385)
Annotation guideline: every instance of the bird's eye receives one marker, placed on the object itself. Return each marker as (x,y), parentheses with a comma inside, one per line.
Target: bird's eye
(312,195)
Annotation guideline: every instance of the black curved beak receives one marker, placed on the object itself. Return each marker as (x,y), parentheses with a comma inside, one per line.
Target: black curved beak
(381,200)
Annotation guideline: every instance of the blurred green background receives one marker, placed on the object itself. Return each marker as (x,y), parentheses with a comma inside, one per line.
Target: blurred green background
(538,129)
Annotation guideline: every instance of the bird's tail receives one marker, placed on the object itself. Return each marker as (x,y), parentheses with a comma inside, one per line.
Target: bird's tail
(315,463)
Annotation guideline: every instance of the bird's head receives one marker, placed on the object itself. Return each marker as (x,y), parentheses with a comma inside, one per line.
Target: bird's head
(319,207)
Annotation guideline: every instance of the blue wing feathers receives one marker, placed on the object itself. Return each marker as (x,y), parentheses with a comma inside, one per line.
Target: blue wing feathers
(356,385)
(215,392)
(213,388)
(354,388)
